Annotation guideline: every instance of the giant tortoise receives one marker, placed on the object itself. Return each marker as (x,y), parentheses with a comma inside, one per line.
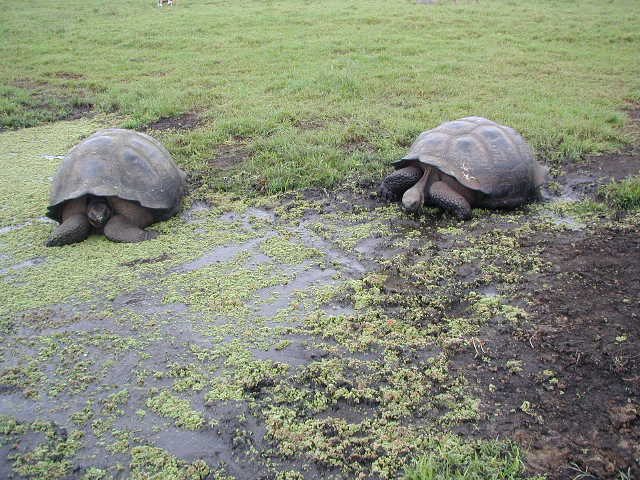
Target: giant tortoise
(115,182)
(471,162)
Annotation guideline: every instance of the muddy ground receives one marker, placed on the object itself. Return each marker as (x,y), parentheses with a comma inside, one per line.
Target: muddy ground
(322,335)
(578,356)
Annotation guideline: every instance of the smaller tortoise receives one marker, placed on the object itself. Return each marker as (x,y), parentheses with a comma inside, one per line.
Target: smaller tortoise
(115,182)
(471,162)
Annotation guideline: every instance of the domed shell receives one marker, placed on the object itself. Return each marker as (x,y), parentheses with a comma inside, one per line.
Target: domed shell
(121,163)
(482,155)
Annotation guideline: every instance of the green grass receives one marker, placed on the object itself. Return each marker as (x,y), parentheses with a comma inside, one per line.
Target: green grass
(624,194)
(470,461)
(318,92)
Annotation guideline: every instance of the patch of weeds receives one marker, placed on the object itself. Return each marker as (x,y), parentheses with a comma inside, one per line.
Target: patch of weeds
(514,366)
(150,463)
(289,475)
(454,459)
(113,403)
(348,229)
(246,380)
(451,230)
(82,417)
(624,195)
(51,458)
(550,381)
(10,426)
(530,409)
(296,208)
(283,250)
(221,288)
(27,379)
(488,307)
(381,395)
(167,405)
(123,441)
(188,377)
(94,473)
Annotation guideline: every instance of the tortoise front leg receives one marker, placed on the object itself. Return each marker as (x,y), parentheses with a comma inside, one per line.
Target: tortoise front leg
(120,229)
(394,185)
(75,225)
(443,196)
(413,199)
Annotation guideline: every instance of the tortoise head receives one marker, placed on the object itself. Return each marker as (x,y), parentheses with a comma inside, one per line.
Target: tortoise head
(98,212)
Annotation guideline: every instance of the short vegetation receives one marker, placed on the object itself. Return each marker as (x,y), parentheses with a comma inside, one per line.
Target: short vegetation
(624,194)
(290,95)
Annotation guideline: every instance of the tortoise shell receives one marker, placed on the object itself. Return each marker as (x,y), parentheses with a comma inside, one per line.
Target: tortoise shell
(482,155)
(121,163)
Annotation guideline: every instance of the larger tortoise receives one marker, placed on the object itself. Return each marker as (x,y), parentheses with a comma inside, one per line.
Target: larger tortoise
(115,182)
(471,162)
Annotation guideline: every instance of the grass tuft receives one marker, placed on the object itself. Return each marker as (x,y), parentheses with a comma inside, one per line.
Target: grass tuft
(624,194)
(479,461)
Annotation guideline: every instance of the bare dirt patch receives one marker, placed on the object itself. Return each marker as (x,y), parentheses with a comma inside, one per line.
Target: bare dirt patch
(358,143)
(566,385)
(308,124)
(68,76)
(186,121)
(229,155)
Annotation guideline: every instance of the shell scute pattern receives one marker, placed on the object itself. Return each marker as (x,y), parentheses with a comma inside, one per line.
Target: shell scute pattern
(481,154)
(121,163)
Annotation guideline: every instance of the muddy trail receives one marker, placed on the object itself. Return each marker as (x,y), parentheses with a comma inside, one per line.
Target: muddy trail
(320,335)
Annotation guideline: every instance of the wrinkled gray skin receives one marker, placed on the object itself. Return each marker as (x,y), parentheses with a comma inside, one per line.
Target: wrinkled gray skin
(466,163)
(418,185)
(116,182)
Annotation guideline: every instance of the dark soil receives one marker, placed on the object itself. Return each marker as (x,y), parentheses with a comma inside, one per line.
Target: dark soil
(229,155)
(186,121)
(69,76)
(580,355)
(573,403)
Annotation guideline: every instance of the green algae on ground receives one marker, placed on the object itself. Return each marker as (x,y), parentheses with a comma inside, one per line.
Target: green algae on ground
(151,463)
(168,405)
(51,458)
(283,250)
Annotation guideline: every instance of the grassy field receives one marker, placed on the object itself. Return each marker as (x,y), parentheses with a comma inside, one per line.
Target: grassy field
(312,93)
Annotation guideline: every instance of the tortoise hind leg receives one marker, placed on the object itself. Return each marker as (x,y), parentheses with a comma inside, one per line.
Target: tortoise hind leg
(443,196)
(394,186)
(127,226)
(75,225)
